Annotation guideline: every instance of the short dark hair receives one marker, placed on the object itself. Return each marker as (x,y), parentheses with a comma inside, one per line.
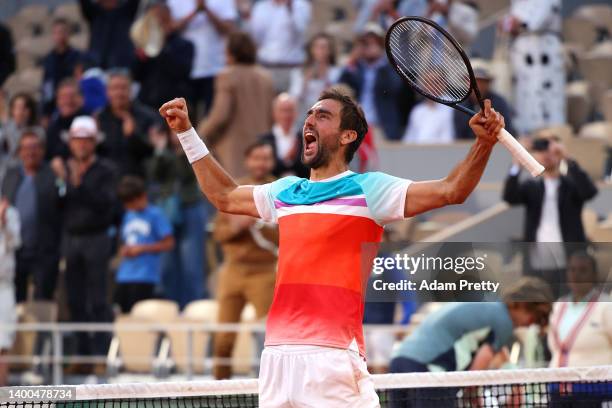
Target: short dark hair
(241,46)
(68,82)
(351,118)
(256,145)
(130,188)
(30,103)
(332,48)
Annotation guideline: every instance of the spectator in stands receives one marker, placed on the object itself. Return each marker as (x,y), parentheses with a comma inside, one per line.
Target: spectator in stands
(92,83)
(385,99)
(166,75)
(484,77)
(319,72)
(58,64)
(468,336)
(30,187)
(537,63)
(7,54)
(9,242)
(145,234)
(109,26)
(581,322)
(554,205)
(205,23)
(125,124)
(279,29)
(430,122)
(242,109)
(250,248)
(89,203)
(175,190)
(69,104)
(285,139)
(22,114)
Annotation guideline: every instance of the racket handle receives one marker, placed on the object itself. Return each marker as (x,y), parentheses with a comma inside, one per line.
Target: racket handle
(519,153)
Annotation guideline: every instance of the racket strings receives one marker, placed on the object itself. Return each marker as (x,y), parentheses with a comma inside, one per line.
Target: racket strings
(429,61)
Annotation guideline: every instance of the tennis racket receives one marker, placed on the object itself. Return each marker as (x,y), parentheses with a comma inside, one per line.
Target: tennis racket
(432,63)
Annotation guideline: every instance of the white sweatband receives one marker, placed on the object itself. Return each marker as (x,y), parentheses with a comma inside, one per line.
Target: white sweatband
(193,146)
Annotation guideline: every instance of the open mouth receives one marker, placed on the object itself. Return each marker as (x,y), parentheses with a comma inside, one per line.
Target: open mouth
(310,142)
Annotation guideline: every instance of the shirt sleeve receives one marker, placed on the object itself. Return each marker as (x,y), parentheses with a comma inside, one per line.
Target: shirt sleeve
(265,195)
(162,225)
(385,196)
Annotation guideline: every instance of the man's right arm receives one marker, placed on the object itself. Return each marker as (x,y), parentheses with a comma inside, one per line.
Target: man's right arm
(220,188)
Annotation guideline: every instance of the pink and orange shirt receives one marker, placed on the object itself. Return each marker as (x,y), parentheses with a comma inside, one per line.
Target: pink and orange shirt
(320,285)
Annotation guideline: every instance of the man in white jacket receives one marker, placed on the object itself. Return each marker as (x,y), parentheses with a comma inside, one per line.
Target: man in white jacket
(10,240)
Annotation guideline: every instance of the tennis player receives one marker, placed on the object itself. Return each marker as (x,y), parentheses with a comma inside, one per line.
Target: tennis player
(314,354)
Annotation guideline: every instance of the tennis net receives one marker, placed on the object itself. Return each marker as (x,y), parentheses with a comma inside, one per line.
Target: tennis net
(565,387)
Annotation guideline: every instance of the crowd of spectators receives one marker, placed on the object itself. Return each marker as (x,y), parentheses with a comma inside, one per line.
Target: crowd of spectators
(89,172)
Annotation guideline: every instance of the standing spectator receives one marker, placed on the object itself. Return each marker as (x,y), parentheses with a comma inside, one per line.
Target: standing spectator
(249,247)
(125,124)
(205,23)
(22,114)
(279,29)
(7,54)
(69,104)
(58,64)
(175,190)
(89,205)
(9,242)
(484,77)
(430,122)
(145,233)
(385,99)
(554,205)
(166,75)
(285,140)
(31,188)
(537,63)
(319,72)
(109,26)
(243,105)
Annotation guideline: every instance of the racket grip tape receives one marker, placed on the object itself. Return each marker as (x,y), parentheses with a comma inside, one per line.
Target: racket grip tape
(519,153)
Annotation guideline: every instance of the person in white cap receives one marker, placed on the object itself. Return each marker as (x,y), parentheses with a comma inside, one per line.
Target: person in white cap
(89,190)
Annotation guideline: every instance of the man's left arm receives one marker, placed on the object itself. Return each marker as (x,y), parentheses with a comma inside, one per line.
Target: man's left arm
(456,187)
(582,184)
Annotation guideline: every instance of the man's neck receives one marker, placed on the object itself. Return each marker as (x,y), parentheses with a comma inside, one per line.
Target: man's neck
(117,109)
(551,173)
(30,171)
(331,170)
(86,162)
(61,48)
(284,129)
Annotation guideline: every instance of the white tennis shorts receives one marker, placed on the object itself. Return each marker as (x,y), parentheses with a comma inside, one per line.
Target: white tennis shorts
(293,376)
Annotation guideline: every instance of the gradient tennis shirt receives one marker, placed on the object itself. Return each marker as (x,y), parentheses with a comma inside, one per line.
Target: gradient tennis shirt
(321,280)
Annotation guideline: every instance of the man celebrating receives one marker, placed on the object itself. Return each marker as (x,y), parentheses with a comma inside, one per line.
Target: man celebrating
(314,338)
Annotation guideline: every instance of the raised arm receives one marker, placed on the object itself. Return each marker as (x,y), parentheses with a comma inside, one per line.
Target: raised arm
(220,188)
(457,186)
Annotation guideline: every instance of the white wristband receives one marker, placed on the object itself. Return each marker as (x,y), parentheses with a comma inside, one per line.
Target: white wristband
(193,146)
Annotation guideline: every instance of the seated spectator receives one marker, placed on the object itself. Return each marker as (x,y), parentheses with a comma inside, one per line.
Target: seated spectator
(58,64)
(470,335)
(145,233)
(89,204)
(285,140)
(250,248)
(125,124)
(165,76)
(384,97)
(30,186)
(206,23)
(430,122)
(242,109)
(580,333)
(319,72)
(484,77)
(175,189)
(279,29)
(22,114)
(69,104)
(92,83)
(109,27)
(9,242)
(7,54)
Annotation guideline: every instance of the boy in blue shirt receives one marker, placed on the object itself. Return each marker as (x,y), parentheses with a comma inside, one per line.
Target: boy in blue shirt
(145,233)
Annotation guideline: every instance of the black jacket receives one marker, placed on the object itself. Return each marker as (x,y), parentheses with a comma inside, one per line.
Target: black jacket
(281,167)
(575,188)
(7,54)
(49,205)
(57,67)
(55,145)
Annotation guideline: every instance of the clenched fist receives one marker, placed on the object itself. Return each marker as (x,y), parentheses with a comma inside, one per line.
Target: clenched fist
(176,115)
